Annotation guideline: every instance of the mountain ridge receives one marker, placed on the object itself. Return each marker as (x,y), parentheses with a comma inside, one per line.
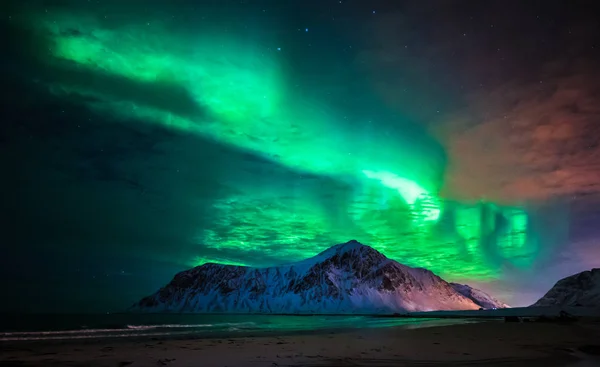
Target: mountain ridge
(346,278)
(478,296)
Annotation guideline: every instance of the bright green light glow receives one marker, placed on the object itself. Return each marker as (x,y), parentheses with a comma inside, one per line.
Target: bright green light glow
(425,205)
(430,207)
(408,189)
(238,85)
(234,82)
(245,102)
(298,228)
(468,226)
(514,243)
(201,260)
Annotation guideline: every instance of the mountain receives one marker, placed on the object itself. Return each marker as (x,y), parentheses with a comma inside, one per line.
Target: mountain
(478,296)
(347,278)
(582,289)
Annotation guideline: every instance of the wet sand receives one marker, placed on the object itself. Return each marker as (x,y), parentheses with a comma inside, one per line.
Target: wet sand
(477,344)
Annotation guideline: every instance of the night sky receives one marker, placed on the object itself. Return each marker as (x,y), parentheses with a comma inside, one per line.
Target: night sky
(141,138)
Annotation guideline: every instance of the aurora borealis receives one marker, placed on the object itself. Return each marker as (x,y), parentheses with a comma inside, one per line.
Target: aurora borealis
(155,137)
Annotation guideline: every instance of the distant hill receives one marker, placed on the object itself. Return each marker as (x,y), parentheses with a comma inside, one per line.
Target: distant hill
(579,290)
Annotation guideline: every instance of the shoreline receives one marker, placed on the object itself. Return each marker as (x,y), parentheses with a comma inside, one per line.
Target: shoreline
(498,313)
(73,336)
(489,343)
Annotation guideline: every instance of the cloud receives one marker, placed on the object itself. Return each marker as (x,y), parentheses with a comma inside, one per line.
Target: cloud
(526,141)
(514,105)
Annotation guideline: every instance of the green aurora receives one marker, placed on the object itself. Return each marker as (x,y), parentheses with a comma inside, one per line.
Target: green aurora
(237,91)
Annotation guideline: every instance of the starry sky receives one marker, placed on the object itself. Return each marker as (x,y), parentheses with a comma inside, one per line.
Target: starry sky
(144,138)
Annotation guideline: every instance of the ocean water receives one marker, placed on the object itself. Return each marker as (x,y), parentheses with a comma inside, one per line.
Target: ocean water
(68,326)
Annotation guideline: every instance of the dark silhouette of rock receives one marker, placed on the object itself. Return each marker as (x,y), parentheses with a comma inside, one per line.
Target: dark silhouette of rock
(578,290)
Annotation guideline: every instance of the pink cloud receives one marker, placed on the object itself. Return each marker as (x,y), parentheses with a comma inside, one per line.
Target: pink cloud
(538,140)
(518,115)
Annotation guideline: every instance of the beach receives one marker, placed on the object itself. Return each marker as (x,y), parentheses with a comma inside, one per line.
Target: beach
(473,344)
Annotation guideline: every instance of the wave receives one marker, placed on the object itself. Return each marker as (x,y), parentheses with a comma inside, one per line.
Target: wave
(126,331)
(78,331)
(70,337)
(170,326)
(167,326)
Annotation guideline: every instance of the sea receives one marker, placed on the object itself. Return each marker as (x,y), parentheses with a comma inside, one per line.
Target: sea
(30,327)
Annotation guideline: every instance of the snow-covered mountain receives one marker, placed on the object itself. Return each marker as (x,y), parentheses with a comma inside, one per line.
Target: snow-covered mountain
(478,296)
(582,289)
(347,278)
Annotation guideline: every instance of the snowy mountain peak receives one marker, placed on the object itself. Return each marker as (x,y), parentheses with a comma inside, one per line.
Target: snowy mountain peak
(351,245)
(581,289)
(346,278)
(350,248)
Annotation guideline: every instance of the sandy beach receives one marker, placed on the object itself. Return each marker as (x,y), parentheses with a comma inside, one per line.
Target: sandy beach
(485,343)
